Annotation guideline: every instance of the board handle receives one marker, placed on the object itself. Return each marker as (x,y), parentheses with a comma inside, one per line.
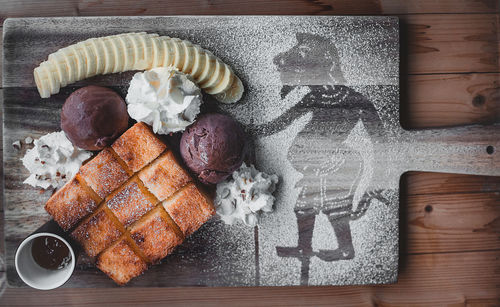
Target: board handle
(462,150)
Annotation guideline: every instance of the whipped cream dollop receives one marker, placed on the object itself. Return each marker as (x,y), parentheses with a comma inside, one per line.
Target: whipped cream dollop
(163,98)
(244,195)
(53,161)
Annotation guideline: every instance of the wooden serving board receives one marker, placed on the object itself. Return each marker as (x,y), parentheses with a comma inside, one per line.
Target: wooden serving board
(322,109)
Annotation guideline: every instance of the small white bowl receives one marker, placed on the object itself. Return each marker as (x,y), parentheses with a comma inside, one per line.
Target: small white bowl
(33,274)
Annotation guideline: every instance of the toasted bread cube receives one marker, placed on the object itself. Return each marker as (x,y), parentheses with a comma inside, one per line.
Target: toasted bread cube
(164,176)
(130,201)
(104,173)
(138,146)
(156,234)
(120,262)
(71,203)
(189,208)
(97,232)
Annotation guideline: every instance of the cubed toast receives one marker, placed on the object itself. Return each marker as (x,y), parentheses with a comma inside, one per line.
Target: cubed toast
(156,234)
(131,201)
(104,173)
(71,203)
(138,146)
(97,232)
(123,186)
(120,262)
(164,176)
(189,208)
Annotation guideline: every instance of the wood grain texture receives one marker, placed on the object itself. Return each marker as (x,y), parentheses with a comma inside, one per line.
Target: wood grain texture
(452,43)
(451,100)
(13,8)
(456,279)
(420,183)
(444,223)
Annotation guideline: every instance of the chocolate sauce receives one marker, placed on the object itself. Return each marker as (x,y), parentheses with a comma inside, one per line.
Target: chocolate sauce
(50,253)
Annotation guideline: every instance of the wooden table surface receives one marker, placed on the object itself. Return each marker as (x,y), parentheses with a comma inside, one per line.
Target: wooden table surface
(450,224)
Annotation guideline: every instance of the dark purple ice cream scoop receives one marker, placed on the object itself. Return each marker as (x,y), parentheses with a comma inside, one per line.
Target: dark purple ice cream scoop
(214,147)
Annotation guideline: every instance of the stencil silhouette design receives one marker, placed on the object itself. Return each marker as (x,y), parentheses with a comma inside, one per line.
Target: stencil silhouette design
(334,149)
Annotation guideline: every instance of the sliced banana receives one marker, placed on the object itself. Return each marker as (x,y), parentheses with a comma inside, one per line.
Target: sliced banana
(139,62)
(168,52)
(109,56)
(198,63)
(178,54)
(233,93)
(225,81)
(215,77)
(137,51)
(62,69)
(128,52)
(118,54)
(157,52)
(69,58)
(189,51)
(90,59)
(98,51)
(208,69)
(51,83)
(147,47)
(41,82)
(80,63)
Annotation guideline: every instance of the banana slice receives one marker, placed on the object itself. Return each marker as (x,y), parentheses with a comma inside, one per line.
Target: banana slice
(49,72)
(178,54)
(80,63)
(168,52)
(109,57)
(98,50)
(225,81)
(117,53)
(68,56)
(198,63)
(137,51)
(157,52)
(147,46)
(216,76)
(41,82)
(90,59)
(127,51)
(208,69)
(232,94)
(62,69)
(189,51)
(141,54)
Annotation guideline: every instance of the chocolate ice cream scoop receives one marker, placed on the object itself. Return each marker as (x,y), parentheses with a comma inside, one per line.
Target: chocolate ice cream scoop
(93,117)
(214,147)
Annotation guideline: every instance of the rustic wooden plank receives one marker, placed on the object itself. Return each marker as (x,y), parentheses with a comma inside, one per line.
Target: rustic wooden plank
(420,183)
(12,8)
(450,222)
(432,6)
(450,100)
(456,279)
(450,43)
